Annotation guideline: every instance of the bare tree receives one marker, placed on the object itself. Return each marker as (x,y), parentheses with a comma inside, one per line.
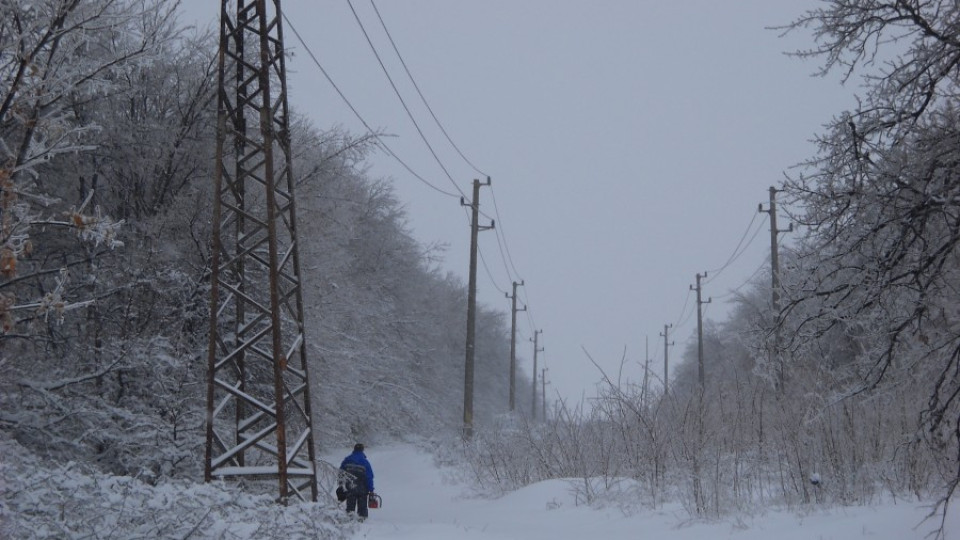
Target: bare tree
(881,204)
(55,56)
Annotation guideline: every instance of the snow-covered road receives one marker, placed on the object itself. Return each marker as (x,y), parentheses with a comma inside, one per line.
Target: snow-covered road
(420,505)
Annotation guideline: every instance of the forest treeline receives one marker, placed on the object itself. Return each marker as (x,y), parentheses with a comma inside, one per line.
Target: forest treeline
(850,392)
(108,125)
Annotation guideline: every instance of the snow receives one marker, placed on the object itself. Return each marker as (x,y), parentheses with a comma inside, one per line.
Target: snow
(421,503)
(39,499)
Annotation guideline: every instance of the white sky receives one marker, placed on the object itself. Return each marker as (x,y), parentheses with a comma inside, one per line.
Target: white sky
(629,143)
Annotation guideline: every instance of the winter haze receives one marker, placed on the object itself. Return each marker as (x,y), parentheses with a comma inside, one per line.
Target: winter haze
(635,150)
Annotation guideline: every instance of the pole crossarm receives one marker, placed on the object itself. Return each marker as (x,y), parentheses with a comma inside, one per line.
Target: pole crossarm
(260,428)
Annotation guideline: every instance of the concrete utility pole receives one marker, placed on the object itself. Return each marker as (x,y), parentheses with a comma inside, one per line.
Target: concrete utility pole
(775,284)
(513,345)
(543,393)
(258,391)
(475,228)
(646,368)
(536,349)
(666,343)
(700,303)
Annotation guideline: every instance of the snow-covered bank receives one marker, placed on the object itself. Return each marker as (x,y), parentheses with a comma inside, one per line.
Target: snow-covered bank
(44,500)
(38,500)
(420,505)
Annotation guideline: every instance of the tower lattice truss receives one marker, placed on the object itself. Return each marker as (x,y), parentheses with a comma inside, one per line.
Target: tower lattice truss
(258,400)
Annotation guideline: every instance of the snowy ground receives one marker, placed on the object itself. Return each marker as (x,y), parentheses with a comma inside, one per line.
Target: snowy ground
(420,505)
(41,500)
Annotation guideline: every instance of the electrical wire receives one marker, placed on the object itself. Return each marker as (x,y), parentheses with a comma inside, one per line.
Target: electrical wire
(377,136)
(402,101)
(745,282)
(356,113)
(530,320)
(737,251)
(487,270)
(503,257)
(506,246)
(420,93)
(500,235)
(683,323)
(683,311)
(503,245)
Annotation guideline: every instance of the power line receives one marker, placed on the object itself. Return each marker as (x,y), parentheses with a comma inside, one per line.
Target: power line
(745,282)
(530,320)
(353,109)
(509,257)
(684,322)
(737,252)
(402,101)
(504,247)
(501,237)
(487,270)
(529,312)
(683,311)
(500,244)
(422,98)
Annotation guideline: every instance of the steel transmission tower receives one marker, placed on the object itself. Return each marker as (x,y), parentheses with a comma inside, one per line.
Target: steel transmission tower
(258,398)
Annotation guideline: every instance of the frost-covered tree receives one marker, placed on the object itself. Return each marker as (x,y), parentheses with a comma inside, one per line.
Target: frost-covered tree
(56,56)
(386,326)
(93,339)
(107,110)
(878,267)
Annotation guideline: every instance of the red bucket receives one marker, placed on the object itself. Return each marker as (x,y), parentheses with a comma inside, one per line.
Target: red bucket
(374,501)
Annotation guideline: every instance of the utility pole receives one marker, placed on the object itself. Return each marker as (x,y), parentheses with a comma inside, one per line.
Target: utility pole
(775,284)
(513,345)
(475,228)
(543,393)
(258,420)
(700,303)
(666,343)
(697,487)
(646,368)
(536,349)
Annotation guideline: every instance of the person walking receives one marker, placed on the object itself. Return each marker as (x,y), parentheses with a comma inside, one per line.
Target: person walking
(358,481)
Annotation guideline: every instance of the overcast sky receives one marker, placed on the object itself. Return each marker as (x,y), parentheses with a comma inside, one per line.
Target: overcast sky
(628,142)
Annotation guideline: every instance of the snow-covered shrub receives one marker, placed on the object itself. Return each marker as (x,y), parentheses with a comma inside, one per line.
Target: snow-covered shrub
(42,499)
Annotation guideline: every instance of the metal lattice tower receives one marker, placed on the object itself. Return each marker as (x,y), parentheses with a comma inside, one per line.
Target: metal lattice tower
(258,398)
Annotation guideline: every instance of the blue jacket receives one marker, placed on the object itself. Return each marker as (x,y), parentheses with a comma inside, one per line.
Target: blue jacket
(358,458)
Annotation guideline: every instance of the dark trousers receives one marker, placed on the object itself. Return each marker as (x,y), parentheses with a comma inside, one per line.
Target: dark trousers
(357,501)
